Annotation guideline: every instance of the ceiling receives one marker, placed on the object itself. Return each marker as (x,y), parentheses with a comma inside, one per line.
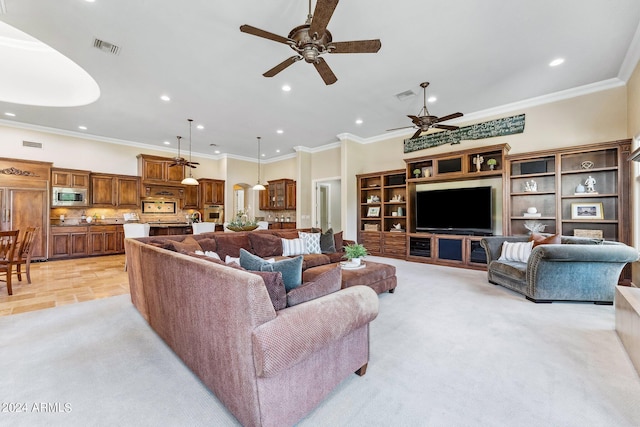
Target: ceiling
(476,55)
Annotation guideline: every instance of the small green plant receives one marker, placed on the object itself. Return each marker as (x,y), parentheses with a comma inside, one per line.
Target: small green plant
(355,251)
(492,162)
(417,172)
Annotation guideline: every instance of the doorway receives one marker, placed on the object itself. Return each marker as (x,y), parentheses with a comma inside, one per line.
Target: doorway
(327,213)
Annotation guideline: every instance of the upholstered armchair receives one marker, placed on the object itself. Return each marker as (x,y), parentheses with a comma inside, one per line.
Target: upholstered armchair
(578,269)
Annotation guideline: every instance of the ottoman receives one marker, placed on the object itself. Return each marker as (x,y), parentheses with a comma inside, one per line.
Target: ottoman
(379,277)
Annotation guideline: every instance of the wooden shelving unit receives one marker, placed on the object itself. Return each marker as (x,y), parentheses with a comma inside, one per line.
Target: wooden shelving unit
(561,197)
(382,206)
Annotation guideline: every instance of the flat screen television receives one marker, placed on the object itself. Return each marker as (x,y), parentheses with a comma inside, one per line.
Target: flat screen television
(455,211)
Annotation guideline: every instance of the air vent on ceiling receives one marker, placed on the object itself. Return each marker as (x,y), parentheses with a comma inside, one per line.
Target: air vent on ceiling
(106,46)
(405,95)
(31,144)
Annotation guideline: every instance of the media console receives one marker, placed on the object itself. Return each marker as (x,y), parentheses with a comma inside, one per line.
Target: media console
(447,249)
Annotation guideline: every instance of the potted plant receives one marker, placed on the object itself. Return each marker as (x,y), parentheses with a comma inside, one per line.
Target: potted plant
(492,163)
(417,172)
(354,253)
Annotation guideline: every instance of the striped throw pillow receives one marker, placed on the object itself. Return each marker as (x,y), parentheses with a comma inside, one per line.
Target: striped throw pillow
(517,251)
(292,247)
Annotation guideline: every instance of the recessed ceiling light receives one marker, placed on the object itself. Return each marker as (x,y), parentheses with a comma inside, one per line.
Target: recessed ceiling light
(217,151)
(556,62)
(165,98)
(358,121)
(166,143)
(263,154)
(90,1)
(432,99)
(277,151)
(286,88)
(280,131)
(82,127)
(200,127)
(9,114)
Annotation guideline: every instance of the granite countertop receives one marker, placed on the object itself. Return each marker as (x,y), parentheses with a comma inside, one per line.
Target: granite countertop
(167,224)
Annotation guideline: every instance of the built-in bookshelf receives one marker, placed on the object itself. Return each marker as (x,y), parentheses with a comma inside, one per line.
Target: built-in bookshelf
(382,214)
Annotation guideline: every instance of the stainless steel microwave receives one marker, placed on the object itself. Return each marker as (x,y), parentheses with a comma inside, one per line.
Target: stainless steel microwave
(69,197)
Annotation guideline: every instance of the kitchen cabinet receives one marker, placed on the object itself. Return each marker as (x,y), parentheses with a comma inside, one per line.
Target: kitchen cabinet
(211,191)
(103,239)
(282,225)
(68,242)
(24,200)
(69,178)
(115,191)
(282,194)
(159,170)
(191,198)
(264,199)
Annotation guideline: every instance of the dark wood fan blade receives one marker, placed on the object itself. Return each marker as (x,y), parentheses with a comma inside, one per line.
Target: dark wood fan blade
(404,127)
(264,34)
(415,119)
(447,127)
(325,72)
(357,46)
(417,134)
(321,16)
(449,117)
(281,66)
(191,165)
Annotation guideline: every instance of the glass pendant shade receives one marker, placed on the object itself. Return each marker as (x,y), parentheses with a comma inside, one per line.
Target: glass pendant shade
(190,180)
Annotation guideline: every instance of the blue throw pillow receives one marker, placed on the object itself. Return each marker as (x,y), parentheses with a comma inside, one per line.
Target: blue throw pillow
(291,268)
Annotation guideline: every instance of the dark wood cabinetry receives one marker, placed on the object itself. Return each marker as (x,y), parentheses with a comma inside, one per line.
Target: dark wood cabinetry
(70,178)
(280,194)
(211,191)
(86,240)
(67,242)
(24,200)
(191,198)
(383,208)
(553,183)
(115,191)
(159,170)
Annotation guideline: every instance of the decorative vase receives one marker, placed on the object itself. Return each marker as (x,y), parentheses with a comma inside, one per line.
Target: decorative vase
(356,261)
(580,188)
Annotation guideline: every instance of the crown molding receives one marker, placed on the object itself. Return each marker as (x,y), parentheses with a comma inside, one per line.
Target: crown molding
(502,109)
(631,58)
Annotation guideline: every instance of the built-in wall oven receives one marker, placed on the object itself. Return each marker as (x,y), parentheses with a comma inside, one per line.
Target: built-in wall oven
(69,197)
(214,213)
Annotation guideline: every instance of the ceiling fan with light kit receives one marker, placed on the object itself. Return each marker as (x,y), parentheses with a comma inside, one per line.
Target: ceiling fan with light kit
(312,39)
(181,161)
(425,121)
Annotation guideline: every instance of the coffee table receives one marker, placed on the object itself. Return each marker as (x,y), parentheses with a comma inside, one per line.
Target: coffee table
(378,276)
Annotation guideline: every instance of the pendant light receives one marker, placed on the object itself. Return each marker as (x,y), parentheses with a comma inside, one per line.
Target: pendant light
(190,180)
(259,186)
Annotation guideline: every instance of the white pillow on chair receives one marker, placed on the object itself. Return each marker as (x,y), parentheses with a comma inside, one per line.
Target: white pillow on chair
(516,251)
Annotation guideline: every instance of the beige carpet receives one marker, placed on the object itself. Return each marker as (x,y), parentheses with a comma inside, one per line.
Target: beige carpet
(448,349)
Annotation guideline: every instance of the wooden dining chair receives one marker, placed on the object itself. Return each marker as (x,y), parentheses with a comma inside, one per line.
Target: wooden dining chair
(22,255)
(8,241)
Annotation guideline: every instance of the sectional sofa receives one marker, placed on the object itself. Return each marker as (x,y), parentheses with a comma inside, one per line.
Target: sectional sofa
(270,363)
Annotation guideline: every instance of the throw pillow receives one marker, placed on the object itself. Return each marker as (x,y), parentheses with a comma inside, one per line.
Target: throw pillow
(250,261)
(231,260)
(291,247)
(209,254)
(326,283)
(539,239)
(338,241)
(208,244)
(287,234)
(311,242)
(327,242)
(516,251)
(265,244)
(189,244)
(275,287)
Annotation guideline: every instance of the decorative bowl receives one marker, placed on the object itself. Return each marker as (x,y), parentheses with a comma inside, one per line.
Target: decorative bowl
(242,227)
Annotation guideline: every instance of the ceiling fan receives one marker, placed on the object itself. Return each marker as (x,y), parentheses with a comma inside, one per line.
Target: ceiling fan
(181,161)
(312,39)
(425,121)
